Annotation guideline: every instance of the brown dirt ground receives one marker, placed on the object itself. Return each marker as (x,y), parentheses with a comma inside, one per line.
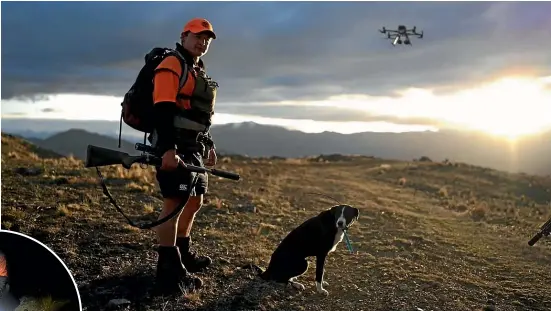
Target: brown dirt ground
(431,236)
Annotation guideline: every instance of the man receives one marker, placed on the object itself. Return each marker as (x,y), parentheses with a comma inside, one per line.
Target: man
(7,301)
(180,115)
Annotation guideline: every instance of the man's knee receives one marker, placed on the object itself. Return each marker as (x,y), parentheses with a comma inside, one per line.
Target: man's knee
(194,203)
(170,204)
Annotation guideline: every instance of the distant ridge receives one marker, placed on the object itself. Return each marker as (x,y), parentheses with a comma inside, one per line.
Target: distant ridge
(75,142)
(530,155)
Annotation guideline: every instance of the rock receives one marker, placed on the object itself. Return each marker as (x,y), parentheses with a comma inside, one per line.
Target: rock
(226,160)
(117,304)
(246,208)
(490,305)
(29,171)
(61,181)
(424,159)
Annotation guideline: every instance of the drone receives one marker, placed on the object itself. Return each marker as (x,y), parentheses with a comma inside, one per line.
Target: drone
(401,33)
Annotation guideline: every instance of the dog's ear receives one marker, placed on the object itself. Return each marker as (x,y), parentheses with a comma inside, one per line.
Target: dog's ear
(333,209)
(356,213)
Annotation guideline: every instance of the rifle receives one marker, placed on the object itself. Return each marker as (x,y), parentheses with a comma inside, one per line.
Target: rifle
(545,230)
(99,156)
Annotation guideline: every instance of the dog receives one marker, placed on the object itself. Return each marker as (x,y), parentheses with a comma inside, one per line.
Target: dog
(317,236)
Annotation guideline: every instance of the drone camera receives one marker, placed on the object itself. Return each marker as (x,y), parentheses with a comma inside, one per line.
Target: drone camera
(402,35)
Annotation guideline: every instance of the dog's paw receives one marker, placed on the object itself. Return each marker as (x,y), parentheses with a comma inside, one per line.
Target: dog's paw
(325,283)
(297,285)
(321,290)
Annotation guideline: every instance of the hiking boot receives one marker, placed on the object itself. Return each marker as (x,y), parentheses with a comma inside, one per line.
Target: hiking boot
(190,259)
(172,277)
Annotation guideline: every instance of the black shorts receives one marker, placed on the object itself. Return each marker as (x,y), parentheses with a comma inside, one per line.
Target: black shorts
(178,183)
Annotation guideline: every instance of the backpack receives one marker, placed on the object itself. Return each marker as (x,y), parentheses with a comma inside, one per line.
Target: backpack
(137,105)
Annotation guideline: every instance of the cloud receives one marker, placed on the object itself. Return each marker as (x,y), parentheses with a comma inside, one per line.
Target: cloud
(320,113)
(47,110)
(269,51)
(14,114)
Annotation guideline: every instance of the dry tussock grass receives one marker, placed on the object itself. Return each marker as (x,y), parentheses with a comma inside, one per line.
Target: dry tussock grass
(41,304)
(69,162)
(148,208)
(136,172)
(295,161)
(443,192)
(479,211)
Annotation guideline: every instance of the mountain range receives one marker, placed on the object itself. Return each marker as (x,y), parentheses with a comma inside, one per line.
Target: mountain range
(530,155)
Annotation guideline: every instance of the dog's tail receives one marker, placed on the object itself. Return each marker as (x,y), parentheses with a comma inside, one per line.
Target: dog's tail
(259,271)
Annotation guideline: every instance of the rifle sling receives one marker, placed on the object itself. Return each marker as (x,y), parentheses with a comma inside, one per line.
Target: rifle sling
(151,224)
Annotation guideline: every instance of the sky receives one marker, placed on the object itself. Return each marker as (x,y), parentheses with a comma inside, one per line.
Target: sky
(311,66)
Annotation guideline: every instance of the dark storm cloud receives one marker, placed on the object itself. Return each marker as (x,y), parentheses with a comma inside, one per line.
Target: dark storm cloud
(268,51)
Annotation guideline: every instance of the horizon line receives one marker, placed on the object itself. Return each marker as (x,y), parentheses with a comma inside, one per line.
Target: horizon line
(377,126)
(438,130)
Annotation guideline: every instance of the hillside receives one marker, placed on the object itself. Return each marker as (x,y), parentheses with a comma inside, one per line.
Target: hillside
(431,236)
(75,141)
(17,147)
(530,155)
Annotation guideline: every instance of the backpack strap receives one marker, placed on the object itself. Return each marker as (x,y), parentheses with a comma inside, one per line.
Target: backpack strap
(184,75)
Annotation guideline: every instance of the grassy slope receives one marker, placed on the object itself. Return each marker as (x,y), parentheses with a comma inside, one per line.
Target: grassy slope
(430,235)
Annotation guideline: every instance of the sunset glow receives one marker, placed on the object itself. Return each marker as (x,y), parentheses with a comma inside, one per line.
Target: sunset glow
(508,107)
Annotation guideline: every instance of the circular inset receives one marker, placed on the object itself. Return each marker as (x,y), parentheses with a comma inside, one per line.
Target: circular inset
(33,277)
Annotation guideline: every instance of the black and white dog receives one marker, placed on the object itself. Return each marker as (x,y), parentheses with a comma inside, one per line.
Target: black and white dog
(317,236)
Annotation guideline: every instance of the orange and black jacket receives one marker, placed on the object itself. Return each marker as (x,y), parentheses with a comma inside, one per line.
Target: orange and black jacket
(165,96)
(3,266)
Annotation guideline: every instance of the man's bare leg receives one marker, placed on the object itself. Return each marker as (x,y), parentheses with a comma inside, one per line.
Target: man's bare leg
(192,261)
(171,274)
(166,232)
(186,218)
